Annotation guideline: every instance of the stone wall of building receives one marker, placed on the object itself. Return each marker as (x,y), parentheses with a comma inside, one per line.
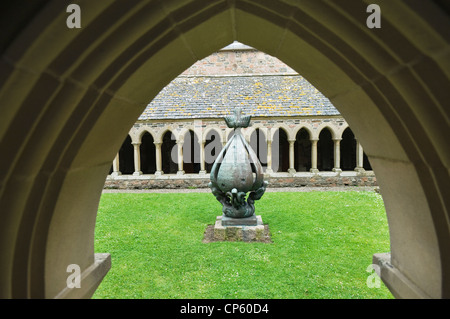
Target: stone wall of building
(242,62)
(350,179)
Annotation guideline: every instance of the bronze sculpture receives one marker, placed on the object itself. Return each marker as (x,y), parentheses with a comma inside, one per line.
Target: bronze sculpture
(237,171)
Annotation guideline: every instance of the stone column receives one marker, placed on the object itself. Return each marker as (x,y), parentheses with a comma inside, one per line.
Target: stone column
(159,171)
(314,156)
(269,157)
(291,169)
(337,155)
(225,139)
(116,171)
(137,159)
(202,158)
(180,157)
(359,158)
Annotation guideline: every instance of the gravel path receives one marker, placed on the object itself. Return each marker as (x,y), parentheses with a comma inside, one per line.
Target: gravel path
(269,190)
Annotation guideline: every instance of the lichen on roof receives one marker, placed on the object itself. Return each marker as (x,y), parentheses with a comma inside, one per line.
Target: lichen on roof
(258,95)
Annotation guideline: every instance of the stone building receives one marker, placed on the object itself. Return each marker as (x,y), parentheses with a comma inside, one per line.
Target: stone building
(298,135)
(70,96)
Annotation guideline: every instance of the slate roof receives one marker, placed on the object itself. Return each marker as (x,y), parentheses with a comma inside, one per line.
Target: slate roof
(257,95)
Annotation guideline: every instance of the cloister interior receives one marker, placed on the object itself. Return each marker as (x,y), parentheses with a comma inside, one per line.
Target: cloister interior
(351,156)
(294,128)
(61,88)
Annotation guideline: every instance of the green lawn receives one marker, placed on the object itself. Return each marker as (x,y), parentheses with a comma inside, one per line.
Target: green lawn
(323,243)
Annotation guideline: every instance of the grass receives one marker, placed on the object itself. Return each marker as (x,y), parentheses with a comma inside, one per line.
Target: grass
(323,243)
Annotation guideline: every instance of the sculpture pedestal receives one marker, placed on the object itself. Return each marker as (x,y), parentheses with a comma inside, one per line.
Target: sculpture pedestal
(247,221)
(239,229)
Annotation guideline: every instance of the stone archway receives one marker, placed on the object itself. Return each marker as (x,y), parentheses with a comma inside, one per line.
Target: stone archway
(169,156)
(280,151)
(303,150)
(213,146)
(348,150)
(148,154)
(126,157)
(191,153)
(63,87)
(325,149)
(258,142)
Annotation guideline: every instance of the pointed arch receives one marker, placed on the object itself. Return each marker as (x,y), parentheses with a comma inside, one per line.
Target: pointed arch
(162,131)
(191,151)
(141,131)
(258,142)
(289,132)
(126,157)
(217,130)
(280,149)
(348,150)
(147,153)
(325,150)
(306,127)
(334,130)
(213,146)
(302,150)
(169,154)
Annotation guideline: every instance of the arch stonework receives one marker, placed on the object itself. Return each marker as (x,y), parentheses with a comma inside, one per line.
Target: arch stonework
(288,130)
(138,133)
(334,130)
(291,125)
(341,130)
(185,129)
(210,128)
(167,128)
(260,126)
(305,126)
(64,86)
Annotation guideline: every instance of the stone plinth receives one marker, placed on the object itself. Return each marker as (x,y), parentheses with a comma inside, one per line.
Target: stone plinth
(246,221)
(239,229)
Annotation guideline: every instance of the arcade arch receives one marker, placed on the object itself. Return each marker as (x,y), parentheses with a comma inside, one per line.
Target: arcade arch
(63,88)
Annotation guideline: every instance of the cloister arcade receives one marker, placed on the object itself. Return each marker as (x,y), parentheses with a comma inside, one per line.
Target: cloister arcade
(191,148)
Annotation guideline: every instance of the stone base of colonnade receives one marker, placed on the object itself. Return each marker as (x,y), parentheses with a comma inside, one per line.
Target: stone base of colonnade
(276,180)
